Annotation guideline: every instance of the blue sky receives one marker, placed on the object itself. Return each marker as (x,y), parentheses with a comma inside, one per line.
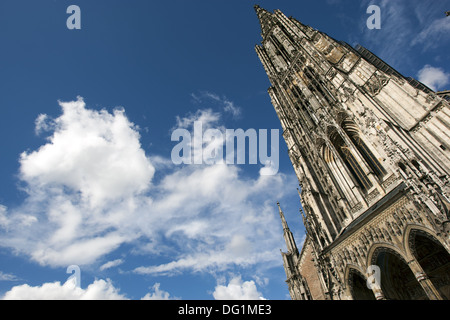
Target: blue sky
(86,176)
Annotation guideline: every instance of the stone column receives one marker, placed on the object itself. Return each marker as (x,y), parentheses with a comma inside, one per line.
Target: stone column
(379,295)
(424,281)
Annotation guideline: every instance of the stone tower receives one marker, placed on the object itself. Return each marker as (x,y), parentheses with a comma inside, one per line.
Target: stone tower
(371,150)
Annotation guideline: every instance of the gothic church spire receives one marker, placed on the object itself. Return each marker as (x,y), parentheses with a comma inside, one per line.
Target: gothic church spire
(266,20)
(288,236)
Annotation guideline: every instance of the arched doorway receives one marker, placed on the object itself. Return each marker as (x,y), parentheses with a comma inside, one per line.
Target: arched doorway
(397,280)
(434,260)
(358,286)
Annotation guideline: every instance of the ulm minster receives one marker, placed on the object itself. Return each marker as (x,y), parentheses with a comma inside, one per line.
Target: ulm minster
(371,151)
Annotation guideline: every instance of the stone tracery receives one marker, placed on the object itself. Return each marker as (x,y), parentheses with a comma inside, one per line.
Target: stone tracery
(374,186)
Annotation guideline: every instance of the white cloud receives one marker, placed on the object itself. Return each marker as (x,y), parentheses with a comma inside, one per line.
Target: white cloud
(198,123)
(227,105)
(395,34)
(89,192)
(7,277)
(111,264)
(98,290)
(3,219)
(43,123)
(433,33)
(19,220)
(435,78)
(207,117)
(86,147)
(158,294)
(77,249)
(406,26)
(84,185)
(237,229)
(237,290)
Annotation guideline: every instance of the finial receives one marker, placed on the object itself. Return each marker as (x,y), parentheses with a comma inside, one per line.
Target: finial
(283,219)
(299,192)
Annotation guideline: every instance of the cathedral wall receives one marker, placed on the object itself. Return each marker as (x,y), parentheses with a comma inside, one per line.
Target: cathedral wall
(388,231)
(371,151)
(309,271)
(433,135)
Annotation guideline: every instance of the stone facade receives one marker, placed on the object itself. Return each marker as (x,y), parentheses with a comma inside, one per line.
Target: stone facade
(371,150)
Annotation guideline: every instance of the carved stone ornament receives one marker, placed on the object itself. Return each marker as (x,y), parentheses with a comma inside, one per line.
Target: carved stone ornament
(376,83)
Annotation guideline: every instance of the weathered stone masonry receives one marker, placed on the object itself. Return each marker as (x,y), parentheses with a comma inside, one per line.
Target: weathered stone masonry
(371,150)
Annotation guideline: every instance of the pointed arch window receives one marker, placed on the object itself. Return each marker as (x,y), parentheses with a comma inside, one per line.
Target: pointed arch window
(350,161)
(281,50)
(316,85)
(371,160)
(374,164)
(356,169)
